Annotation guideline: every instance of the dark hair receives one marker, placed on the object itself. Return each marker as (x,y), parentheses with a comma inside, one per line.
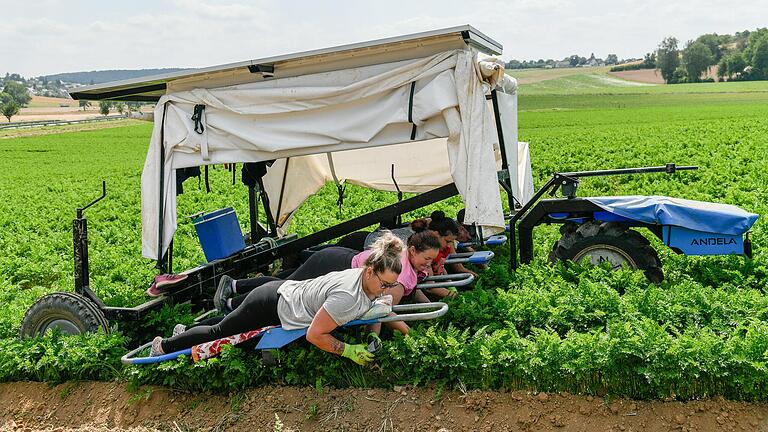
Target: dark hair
(460,216)
(424,240)
(443,225)
(419,225)
(385,254)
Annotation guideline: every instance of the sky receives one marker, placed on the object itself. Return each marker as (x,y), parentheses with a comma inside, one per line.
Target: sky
(43,37)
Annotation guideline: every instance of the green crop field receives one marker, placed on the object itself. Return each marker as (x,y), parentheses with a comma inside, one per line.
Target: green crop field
(701,332)
(594,81)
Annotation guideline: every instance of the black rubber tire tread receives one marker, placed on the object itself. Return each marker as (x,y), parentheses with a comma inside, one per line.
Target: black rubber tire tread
(574,238)
(83,313)
(94,308)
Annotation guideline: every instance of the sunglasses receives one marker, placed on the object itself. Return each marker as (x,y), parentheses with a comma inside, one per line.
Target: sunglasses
(384,284)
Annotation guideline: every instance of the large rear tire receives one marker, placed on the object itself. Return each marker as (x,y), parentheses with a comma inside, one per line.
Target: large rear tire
(70,312)
(607,242)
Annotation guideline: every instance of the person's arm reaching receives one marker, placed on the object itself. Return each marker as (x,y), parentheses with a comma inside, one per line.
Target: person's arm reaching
(319,334)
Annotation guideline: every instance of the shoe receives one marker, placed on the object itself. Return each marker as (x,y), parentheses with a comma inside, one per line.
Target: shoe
(164,280)
(224,291)
(157,347)
(152,291)
(178,329)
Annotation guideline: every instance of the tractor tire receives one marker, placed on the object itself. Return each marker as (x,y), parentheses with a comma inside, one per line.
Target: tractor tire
(607,241)
(71,313)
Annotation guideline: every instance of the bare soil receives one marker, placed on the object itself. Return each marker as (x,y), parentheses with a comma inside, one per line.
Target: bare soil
(653,76)
(44,101)
(28,406)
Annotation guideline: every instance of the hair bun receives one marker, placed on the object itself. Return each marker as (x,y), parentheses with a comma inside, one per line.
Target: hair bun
(385,255)
(437,215)
(419,225)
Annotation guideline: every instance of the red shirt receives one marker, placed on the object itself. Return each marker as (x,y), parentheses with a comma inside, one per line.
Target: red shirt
(438,264)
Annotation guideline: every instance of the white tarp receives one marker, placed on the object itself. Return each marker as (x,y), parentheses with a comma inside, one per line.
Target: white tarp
(372,167)
(324,113)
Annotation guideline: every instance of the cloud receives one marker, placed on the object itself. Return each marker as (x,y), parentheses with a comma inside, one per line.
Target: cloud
(215,10)
(75,36)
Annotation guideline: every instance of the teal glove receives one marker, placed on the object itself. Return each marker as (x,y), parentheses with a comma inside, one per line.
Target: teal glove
(357,353)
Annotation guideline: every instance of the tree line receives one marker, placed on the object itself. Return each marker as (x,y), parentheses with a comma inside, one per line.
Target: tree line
(17,93)
(742,56)
(573,60)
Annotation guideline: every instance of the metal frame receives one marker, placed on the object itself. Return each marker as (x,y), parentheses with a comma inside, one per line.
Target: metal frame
(204,279)
(262,251)
(530,216)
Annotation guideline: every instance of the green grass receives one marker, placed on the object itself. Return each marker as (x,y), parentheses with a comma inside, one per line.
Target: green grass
(700,333)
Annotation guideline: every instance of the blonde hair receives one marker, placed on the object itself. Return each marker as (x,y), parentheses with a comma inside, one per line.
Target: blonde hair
(385,254)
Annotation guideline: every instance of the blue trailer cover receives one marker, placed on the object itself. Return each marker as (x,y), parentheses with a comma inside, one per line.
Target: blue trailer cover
(695,215)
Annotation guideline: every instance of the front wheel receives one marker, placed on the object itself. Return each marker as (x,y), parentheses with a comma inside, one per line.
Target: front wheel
(607,242)
(71,313)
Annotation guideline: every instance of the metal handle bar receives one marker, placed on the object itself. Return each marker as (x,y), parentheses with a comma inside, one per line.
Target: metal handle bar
(129,360)
(447,281)
(669,168)
(439,309)
(481,257)
(103,194)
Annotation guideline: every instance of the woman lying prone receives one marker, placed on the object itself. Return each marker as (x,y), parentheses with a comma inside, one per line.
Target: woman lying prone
(322,304)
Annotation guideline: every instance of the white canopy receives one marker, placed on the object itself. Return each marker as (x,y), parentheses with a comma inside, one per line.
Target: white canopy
(329,112)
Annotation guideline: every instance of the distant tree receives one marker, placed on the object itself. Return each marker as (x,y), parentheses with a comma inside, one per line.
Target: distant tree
(722,69)
(731,66)
(713,42)
(120,106)
(679,76)
(134,106)
(9,109)
(736,64)
(16,77)
(84,104)
(696,59)
(104,107)
(612,59)
(573,60)
(756,53)
(667,58)
(649,61)
(5,98)
(18,91)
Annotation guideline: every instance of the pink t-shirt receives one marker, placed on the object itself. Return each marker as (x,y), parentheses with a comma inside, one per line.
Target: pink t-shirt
(408,275)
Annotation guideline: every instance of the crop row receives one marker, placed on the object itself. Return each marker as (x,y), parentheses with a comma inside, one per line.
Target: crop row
(577,328)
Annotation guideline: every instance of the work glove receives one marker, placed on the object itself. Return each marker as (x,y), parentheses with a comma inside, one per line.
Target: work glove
(357,353)
(373,342)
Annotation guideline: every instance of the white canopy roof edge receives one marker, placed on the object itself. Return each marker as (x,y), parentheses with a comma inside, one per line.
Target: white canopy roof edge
(323,113)
(387,50)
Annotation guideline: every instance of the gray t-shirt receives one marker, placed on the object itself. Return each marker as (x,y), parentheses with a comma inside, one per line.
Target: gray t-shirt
(403,234)
(340,293)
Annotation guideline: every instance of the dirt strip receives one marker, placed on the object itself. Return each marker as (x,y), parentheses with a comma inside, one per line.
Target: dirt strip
(28,406)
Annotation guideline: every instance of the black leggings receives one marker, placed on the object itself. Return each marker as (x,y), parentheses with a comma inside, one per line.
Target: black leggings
(320,263)
(258,309)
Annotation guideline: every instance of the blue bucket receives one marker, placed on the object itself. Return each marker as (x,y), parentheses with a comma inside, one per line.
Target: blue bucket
(219,233)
